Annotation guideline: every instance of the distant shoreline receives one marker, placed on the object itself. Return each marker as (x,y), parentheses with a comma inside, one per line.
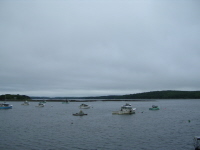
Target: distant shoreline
(83,100)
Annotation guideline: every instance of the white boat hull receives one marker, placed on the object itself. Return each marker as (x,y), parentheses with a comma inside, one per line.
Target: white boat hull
(123,112)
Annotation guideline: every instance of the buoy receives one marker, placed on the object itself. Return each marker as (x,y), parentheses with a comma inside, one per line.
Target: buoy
(188,120)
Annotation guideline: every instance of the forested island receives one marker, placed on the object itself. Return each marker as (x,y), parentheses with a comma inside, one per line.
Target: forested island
(138,96)
(14,97)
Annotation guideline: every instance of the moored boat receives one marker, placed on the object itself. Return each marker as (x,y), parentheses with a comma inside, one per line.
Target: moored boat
(81,113)
(40,104)
(84,106)
(5,106)
(25,103)
(154,107)
(125,109)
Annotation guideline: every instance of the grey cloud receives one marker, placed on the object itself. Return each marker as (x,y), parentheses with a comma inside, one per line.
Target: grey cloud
(88,48)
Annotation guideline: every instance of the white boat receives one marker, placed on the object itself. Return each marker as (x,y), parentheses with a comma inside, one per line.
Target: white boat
(26,103)
(197,142)
(125,109)
(84,106)
(40,104)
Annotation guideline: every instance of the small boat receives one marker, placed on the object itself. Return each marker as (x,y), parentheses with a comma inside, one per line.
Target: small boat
(154,107)
(81,113)
(40,104)
(65,102)
(84,106)
(197,142)
(26,103)
(5,106)
(125,109)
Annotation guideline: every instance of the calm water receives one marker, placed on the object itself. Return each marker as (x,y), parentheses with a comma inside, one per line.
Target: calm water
(54,128)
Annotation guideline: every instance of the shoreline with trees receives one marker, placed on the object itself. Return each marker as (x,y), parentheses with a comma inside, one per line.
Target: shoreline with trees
(152,95)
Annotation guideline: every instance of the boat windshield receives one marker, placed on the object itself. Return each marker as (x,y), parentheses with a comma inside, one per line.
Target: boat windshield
(126,107)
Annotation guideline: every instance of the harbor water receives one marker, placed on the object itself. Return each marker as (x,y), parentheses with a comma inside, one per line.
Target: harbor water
(53,127)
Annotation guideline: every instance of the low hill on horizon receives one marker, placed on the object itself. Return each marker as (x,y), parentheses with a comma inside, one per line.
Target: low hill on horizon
(169,94)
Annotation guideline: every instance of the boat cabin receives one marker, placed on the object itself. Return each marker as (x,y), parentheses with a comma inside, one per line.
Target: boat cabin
(5,104)
(197,142)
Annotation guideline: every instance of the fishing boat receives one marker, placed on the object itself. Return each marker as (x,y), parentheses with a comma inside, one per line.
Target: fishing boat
(5,106)
(81,113)
(125,109)
(84,106)
(197,142)
(154,107)
(40,104)
(25,103)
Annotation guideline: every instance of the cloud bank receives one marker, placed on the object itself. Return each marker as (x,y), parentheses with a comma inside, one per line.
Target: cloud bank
(92,48)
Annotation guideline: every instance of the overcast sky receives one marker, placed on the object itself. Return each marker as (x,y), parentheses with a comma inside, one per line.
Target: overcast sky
(98,47)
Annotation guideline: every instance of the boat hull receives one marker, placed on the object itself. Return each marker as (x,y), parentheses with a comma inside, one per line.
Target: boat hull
(40,106)
(7,107)
(122,113)
(84,107)
(153,108)
(79,114)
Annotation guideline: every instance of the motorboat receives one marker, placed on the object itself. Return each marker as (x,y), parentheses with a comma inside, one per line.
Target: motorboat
(40,104)
(197,142)
(26,103)
(81,113)
(154,107)
(125,109)
(84,106)
(5,106)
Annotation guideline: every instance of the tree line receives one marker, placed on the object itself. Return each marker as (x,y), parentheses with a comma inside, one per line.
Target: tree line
(14,97)
(155,95)
(170,94)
